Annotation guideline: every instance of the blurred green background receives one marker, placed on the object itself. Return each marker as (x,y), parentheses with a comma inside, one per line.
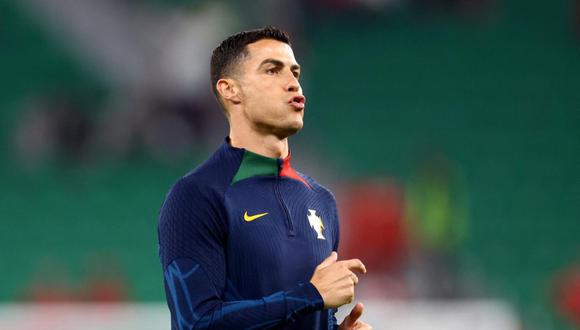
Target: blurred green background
(498,93)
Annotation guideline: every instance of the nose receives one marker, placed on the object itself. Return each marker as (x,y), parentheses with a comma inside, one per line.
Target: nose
(293,84)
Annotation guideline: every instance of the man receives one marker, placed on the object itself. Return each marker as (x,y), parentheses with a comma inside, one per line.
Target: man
(245,241)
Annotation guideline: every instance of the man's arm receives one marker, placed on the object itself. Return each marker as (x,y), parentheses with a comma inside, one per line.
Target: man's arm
(191,241)
(194,307)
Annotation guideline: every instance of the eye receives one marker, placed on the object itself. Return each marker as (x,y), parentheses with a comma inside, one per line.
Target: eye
(271,71)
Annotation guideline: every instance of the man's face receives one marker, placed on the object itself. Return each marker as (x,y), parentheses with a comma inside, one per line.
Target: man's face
(272,99)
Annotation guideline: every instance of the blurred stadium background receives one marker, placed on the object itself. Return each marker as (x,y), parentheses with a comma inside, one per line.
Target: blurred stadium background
(448,129)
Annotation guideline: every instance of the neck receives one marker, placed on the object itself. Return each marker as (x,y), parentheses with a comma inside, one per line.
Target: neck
(265,145)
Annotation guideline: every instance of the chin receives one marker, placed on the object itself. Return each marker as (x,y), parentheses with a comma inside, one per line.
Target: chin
(297,126)
(288,130)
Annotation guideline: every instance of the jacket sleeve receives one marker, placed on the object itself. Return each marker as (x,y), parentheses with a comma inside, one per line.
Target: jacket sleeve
(192,230)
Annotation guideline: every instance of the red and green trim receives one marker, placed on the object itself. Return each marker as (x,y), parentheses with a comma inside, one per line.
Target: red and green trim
(289,172)
(258,165)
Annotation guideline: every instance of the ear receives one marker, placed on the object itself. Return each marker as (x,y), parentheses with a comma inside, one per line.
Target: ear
(229,90)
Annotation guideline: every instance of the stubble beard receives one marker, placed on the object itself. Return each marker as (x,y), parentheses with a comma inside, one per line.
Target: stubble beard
(277,128)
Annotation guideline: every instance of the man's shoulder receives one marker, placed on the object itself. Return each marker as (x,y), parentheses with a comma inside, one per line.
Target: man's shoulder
(212,177)
(316,186)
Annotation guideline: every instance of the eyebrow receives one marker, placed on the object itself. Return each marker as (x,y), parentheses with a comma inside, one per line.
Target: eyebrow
(279,63)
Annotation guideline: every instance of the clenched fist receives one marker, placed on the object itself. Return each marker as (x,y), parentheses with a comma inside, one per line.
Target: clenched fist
(335,280)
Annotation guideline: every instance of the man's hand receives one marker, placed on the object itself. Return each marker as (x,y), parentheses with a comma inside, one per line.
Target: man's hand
(335,280)
(351,322)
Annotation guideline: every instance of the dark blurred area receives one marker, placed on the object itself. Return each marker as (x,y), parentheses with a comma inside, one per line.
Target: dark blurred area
(448,129)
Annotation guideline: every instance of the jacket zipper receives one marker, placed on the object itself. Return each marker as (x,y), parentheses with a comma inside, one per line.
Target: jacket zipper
(281,200)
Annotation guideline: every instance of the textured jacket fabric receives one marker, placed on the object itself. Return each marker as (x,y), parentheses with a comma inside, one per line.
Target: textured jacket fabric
(239,239)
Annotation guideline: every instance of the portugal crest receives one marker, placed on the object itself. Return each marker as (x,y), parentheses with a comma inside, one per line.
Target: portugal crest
(316,223)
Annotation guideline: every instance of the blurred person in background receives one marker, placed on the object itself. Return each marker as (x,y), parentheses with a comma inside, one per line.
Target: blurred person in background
(244,239)
(53,127)
(566,293)
(50,282)
(437,222)
(374,230)
(105,281)
(166,128)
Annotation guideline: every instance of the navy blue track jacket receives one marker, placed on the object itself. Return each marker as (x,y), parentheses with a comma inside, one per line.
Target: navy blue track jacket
(239,239)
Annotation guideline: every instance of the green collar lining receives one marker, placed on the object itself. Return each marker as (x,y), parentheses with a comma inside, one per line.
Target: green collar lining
(256,165)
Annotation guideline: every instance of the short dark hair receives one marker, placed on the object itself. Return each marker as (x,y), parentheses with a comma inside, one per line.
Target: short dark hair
(231,50)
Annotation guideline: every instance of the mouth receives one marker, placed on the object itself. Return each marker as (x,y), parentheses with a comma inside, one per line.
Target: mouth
(298,102)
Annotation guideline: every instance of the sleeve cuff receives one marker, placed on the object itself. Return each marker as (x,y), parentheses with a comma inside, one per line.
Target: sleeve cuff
(302,300)
(311,293)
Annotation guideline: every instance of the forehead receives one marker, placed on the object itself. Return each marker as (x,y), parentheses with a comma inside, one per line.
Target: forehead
(269,49)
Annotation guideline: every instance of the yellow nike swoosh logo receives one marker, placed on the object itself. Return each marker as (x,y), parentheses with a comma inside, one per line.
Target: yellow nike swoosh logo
(249,218)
